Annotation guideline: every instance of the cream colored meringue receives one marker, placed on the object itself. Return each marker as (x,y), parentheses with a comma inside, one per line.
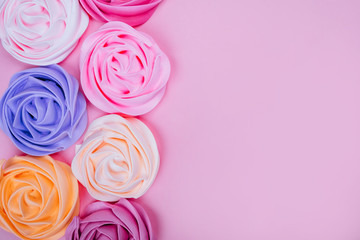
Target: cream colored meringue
(118,158)
(41,32)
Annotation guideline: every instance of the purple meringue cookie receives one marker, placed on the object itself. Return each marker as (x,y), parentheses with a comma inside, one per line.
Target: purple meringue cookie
(42,111)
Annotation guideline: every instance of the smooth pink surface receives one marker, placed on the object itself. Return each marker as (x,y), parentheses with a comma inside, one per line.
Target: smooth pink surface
(259,129)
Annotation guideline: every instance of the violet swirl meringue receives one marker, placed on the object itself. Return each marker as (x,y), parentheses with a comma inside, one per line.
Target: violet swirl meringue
(42,111)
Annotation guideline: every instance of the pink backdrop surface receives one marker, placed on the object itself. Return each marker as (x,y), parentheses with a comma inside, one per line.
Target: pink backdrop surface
(259,130)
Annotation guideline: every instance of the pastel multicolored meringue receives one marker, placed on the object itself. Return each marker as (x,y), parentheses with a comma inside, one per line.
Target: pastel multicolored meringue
(120,221)
(132,12)
(41,32)
(123,70)
(38,197)
(118,158)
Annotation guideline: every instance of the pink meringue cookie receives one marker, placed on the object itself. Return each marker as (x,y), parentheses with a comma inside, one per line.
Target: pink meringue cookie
(123,70)
(118,158)
(133,12)
(41,32)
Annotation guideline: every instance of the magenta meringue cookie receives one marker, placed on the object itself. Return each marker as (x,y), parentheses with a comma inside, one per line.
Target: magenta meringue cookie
(41,32)
(123,70)
(133,12)
(122,220)
(118,158)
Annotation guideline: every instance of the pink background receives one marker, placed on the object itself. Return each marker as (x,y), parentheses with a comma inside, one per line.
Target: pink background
(259,130)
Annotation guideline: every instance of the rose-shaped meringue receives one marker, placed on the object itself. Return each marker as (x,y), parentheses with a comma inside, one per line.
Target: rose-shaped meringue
(42,110)
(41,32)
(133,12)
(123,70)
(123,220)
(118,158)
(38,197)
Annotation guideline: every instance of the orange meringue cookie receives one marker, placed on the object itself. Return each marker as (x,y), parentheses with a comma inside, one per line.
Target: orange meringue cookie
(38,197)
(118,158)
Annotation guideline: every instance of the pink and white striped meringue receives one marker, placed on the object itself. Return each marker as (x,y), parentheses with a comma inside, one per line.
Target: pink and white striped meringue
(41,32)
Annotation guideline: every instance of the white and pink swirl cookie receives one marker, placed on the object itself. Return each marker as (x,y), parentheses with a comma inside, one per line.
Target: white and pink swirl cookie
(118,158)
(41,32)
(123,70)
